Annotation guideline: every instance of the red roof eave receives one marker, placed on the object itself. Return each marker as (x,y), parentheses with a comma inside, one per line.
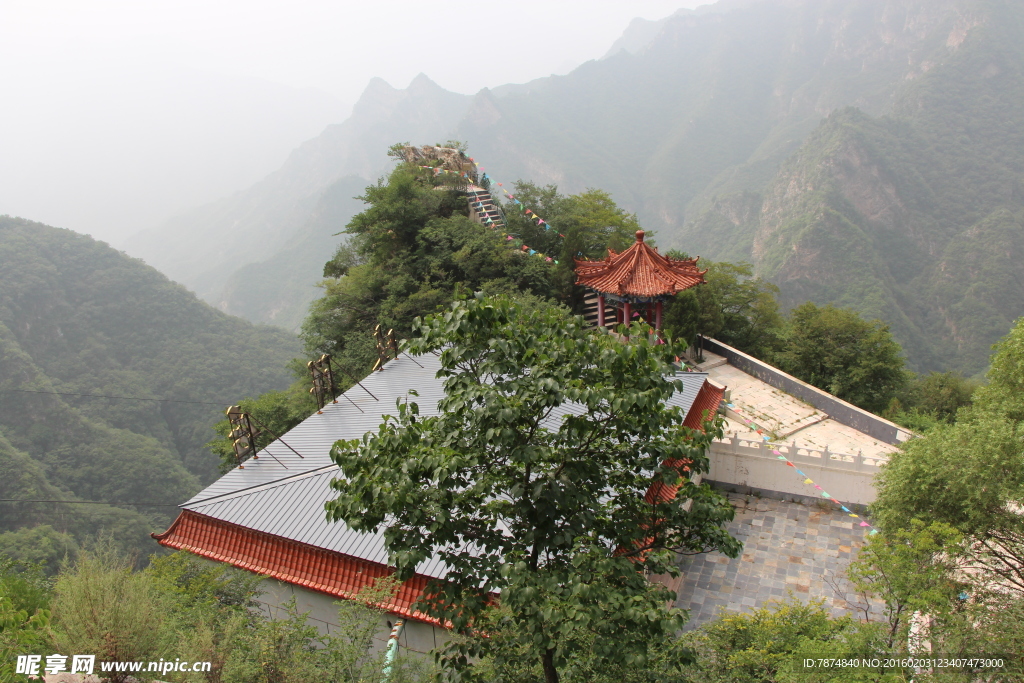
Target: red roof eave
(318,569)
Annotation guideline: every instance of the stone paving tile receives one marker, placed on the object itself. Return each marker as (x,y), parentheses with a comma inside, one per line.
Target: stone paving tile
(788,548)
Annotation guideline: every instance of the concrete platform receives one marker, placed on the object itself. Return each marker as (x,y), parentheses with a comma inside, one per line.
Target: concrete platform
(782,417)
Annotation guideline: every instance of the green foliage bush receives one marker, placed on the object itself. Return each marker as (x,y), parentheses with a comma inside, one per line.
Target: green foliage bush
(182,607)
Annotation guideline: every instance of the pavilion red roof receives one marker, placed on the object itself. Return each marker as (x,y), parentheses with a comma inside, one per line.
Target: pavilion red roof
(639,271)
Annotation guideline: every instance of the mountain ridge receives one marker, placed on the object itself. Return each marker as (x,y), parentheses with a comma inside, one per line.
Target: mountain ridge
(704,122)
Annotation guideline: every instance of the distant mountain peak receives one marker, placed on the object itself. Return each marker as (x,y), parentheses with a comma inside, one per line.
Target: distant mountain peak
(422,84)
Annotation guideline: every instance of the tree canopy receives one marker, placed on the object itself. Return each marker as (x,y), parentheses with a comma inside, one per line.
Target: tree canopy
(533,480)
(970,474)
(734,307)
(838,351)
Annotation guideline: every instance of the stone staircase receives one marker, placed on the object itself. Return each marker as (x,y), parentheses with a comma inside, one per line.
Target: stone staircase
(483,209)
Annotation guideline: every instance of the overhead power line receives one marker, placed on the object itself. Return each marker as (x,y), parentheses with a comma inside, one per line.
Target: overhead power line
(127,398)
(83,502)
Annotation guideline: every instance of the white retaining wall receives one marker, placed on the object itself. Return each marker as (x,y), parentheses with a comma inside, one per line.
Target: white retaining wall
(745,463)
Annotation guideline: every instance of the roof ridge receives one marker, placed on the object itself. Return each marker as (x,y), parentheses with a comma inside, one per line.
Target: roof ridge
(256,488)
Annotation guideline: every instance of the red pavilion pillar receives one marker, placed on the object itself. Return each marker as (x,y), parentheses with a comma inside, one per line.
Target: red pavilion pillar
(600,310)
(657,315)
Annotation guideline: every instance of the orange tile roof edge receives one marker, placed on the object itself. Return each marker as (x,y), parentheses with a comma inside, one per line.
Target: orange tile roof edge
(318,569)
(639,271)
(707,399)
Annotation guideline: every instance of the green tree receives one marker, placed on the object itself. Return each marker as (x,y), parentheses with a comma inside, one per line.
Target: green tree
(930,400)
(733,307)
(41,546)
(532,482)
(838,351)
(410,253)
(911,570)
(582,225)
(21,632)
(940,394)
(970,475)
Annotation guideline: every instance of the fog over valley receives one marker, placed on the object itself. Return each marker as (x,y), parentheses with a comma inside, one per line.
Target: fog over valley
(119,115)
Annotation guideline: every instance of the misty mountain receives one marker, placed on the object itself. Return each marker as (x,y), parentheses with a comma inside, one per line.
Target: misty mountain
(81,325)
(841,146)
(215,249)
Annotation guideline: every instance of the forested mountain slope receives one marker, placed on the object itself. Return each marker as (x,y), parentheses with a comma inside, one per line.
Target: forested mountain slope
(915,217)
(725,129)
(77,317)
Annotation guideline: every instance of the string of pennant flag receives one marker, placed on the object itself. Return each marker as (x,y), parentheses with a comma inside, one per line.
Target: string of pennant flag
(807,480)
(519,244)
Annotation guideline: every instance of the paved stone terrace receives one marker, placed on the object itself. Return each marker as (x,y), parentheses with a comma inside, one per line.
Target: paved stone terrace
(787,547)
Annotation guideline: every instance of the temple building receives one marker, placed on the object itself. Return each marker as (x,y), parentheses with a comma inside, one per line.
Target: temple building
(636,282)
(269,517)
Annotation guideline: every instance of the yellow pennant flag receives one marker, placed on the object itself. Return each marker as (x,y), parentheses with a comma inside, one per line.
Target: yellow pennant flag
(808,481)
(853,515)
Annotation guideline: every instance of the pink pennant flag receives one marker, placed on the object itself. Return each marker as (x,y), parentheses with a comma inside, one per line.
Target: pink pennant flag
(864,524)
(548,259)
(817,487)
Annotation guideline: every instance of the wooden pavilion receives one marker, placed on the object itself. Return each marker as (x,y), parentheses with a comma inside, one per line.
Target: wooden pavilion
(637,280)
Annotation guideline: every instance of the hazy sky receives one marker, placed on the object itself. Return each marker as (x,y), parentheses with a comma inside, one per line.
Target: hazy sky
(117,114)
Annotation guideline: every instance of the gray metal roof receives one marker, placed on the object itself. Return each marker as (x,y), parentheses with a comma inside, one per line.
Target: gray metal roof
(314,436)
(287,498)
